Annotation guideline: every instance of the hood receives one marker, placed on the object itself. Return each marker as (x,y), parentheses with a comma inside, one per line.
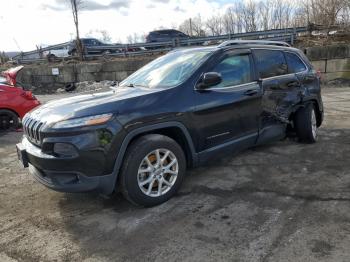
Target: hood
(11,75)
(86,105)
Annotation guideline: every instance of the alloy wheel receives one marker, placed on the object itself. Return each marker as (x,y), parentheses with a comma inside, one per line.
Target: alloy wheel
(158,172)
(313,124)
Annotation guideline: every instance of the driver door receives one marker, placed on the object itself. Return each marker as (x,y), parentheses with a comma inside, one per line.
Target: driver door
(227,114)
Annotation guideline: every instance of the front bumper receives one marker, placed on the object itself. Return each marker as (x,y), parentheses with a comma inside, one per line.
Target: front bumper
(72,182)
(65,174)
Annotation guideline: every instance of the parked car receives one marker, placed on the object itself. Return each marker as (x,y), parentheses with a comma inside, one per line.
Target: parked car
(91,46)
(14,101)
(57,52)
(165,36)
(176,112)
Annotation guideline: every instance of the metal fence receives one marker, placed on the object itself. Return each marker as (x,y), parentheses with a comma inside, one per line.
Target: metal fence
(288,35)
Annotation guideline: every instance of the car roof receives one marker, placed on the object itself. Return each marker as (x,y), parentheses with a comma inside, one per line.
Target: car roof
(238,46)
(252,42)
(165,30)
(259,46)
(89,38)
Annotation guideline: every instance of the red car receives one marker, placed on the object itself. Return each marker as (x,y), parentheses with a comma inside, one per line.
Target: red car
(14,101)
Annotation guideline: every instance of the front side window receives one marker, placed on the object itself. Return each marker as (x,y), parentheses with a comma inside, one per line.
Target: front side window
(270,63)
(295,65)
(234,70)
(169,70)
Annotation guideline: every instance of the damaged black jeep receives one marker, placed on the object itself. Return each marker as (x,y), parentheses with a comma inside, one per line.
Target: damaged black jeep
(176,112)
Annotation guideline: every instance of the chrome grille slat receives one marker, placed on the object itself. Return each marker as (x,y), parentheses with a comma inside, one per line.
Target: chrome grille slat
(32,123)
(28,126)
(32,130)
(35,131)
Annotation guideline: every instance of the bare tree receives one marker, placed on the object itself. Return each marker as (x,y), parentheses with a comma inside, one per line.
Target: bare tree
(265,14)
(239,18)
(3,57)
(136,38)
(229,21)
(185,27)
(326,12)
(250,14)
(105,36)
(215,25)
(102,35)
(197,26)
(76,6)
(253,15)
(193,26)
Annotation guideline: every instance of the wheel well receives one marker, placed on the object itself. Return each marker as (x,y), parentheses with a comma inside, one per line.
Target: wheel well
(318,112)
(174,133)
(8,109)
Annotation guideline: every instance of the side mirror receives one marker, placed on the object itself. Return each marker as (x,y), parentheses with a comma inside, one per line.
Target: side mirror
(209,79)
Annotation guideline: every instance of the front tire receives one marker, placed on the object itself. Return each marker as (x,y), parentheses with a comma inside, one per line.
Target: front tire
(306,124)
(153,170)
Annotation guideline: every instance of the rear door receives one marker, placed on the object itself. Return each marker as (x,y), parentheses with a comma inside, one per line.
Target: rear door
(281,91)
(229,111)
(308,78)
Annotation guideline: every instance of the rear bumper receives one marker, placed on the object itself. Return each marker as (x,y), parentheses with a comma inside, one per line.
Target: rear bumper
(62,174)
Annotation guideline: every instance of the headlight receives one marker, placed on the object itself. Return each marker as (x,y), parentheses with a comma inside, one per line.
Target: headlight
(83,121)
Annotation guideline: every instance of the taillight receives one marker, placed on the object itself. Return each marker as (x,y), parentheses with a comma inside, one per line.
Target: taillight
(28,95)
(10,80)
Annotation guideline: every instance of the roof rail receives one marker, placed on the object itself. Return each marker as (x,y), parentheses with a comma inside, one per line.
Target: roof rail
(256,42)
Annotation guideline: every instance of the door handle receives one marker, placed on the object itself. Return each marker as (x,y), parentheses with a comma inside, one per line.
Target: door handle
(250,92)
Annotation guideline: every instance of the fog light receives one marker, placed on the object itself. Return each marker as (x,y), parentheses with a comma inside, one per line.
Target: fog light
(65,150)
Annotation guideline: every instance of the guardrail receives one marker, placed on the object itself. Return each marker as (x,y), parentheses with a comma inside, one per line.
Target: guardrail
(122,50)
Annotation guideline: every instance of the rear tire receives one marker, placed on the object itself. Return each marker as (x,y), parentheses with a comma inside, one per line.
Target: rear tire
(8,120)
(305,123)
(153,170)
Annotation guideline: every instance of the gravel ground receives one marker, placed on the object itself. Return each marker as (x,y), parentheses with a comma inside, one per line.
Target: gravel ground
(280,202)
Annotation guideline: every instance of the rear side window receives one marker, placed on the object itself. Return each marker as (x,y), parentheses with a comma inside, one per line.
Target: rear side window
(234,70)
(270,63)
(295,65)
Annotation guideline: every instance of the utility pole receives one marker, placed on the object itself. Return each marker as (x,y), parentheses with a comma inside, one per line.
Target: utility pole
(76,6)
(191,27)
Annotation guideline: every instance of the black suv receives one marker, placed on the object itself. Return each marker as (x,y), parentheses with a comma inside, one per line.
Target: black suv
(174,113)
(165,35)
(91,46)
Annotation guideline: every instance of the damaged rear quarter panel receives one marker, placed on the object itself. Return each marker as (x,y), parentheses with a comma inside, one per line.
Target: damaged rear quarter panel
(284,94)
(280,97)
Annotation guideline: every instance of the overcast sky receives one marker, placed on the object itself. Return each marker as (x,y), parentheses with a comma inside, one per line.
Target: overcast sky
(26,23)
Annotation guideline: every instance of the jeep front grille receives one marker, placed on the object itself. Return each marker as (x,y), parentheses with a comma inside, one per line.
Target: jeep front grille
(32,130)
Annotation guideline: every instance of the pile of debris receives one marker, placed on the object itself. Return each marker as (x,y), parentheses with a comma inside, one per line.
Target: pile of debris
(87,86)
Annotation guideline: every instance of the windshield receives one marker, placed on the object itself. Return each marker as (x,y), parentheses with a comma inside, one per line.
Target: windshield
(167,71)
